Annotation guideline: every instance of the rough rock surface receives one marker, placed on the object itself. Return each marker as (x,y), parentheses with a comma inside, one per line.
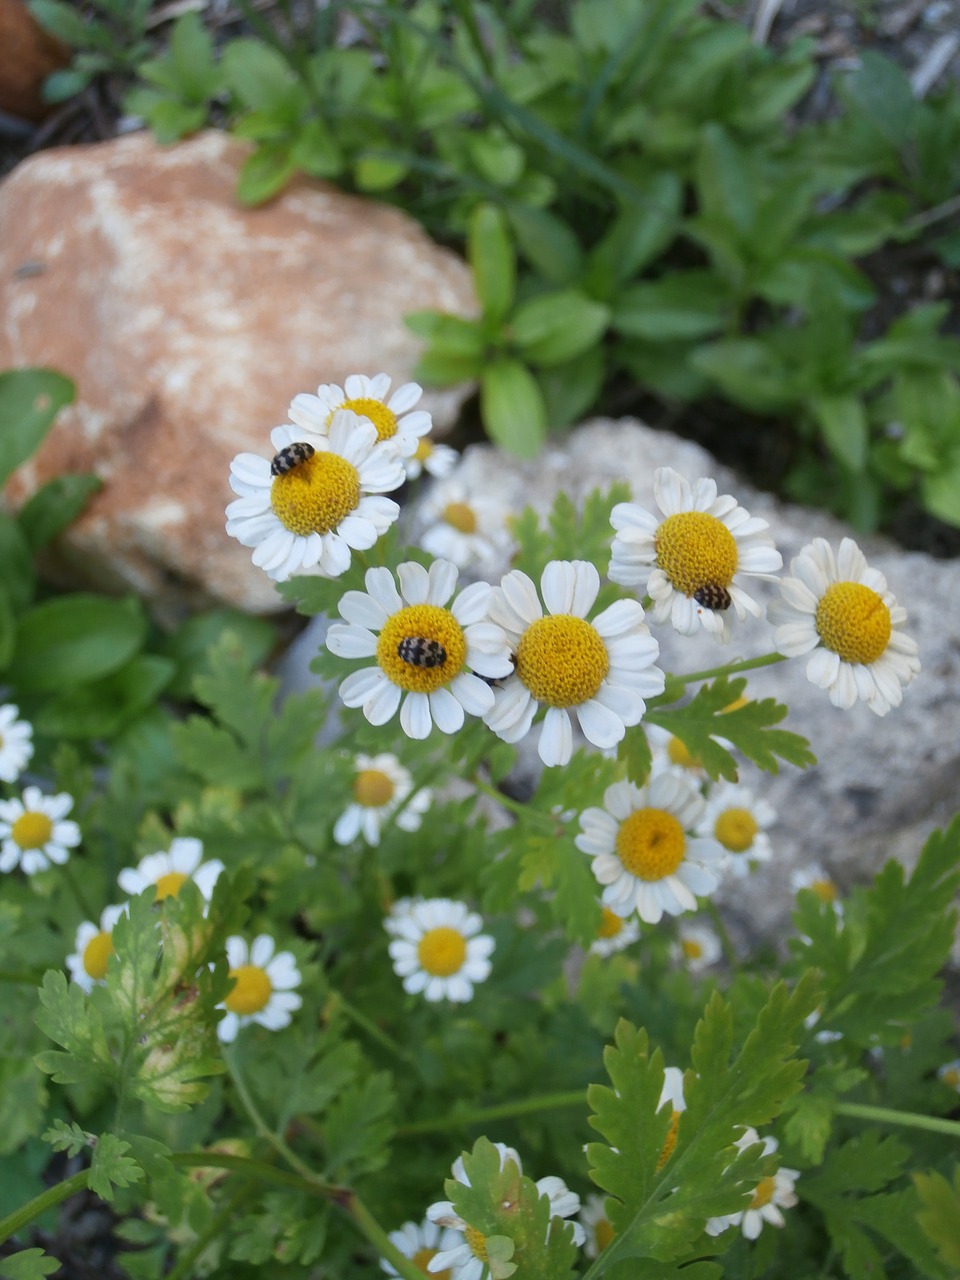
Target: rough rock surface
(881,784)
(188,323)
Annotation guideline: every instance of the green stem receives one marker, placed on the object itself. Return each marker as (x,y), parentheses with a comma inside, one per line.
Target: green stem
(729,950)
(16,1221)
(337,1001)
(515,806)
(263,1129)
(676,684)
(183,1269)
(28,979)
(502,1111)
(906,1119)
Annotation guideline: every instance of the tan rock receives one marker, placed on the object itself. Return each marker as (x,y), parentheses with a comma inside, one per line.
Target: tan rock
(188,323)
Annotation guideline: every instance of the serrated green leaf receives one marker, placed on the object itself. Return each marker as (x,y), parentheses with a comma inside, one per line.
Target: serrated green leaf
(68,1137)
(939,1216)
(110,1167)
(28,1264)
(358,1127)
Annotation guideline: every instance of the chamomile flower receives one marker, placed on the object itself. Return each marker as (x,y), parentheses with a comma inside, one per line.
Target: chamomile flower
(642,850)
(601,670)
(696,947)
(421,1243)
(315,502)
(738,822)
(438,460)
(380,786)
(614,934)
(394,419)
(770,1195)
(93,947)
(264,987)
(423,650)
(16,745)
(468,1258)
(949,1073)
(437,949)
(167,872)
(35,831)
(597,1227)
(838,610)
(693,562)
(469,529)
(816,879)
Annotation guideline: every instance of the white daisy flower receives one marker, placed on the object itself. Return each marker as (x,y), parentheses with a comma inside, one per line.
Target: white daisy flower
(366,397)
(315,502)
(380,786)
(839,611)
(738,821)
(696,946)
(601,670)
(438,460)
(93,947)
(642,852)
(596,1225)
(949,1073)
(614,934)
(815,878)
(438,949)
(167,872)
(692,563)
(36,832)
(468,529)
(264,989)
(468,1259)
(422,649)
(16,746)
(400,908)
(421,1243)
(771,1194)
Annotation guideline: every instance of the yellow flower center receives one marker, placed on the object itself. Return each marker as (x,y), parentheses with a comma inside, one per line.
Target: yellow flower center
(372,788)
(854,622)
(316,495)
(382,418)
(610,925)
(670,1142)
(442,951)
(825,890)
(32,830)
(764,1193)
(477,1243)
(736,829)
(562,660)
(691,949)
(422,1257)
(168,885)
(679,753)
(696,550)
(461,517)
(96,954)
(252,991)
(423,450)
(427,623)
(951,1077)
(603,1234)
(650,844)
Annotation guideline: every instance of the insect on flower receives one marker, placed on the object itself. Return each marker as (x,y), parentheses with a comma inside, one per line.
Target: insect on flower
(420,652)
(292,456)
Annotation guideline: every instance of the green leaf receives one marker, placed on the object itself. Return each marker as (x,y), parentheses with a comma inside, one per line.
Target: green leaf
(265,172)
(54,506)
(748,371)
(30,400)
(62,21)
(101,708)
(110,1167)
(192,644)
(448,335)
(881,92)
(492,262)
(940,492)
(843,421)
(635,755)
(724,186)
(572,388)
(74,639)
(316,152)
(260,77)
(496,157)
(68,1137)
(28,1264)
(940,1213)
(19,578)
(547,243)
(191,53)
(379,173)
(637,236)
(358,1127)
(683,305)
(556,327)
(512,407)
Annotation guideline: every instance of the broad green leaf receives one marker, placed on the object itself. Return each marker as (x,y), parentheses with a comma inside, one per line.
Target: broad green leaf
(54,506)
(843,421)
(881,92)
(265,172)
(191,52)
(572,388)
(316,151)
(101,708)
(30,400)
(748,371)
(637,236)
(557,327)
(19,578)
(940,492)
(74,639)
(547,242)
(260,77)
(724,185)
(378,173)
(940,1213)
(683,305)
(498,159)
(512,407)
(447,334)
(492,261)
